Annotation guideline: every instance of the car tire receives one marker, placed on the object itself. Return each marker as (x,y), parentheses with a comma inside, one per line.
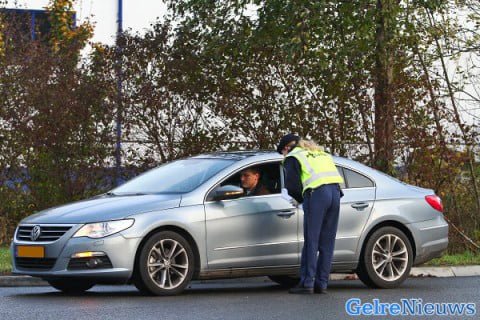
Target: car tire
(71,286)
(386,259)
(285,281)
(165,265)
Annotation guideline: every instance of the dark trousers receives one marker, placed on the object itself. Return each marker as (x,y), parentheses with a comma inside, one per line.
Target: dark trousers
(321,209)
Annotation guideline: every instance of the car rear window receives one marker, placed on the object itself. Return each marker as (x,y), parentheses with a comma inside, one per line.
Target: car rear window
(356,180)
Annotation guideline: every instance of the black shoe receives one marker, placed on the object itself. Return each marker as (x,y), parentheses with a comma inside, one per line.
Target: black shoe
(300,290)
(320,290)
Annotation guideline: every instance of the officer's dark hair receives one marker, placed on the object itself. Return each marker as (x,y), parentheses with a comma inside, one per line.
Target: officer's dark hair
(286,139)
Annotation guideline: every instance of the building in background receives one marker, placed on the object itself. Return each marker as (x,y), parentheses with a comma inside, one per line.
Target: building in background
(31,24)
(137,14)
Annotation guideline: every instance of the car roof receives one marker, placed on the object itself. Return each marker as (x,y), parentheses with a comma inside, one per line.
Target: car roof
(238,155)
(264,155)
(390,185)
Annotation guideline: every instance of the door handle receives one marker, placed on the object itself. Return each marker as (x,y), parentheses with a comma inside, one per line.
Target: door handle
(360,206)
(285,213)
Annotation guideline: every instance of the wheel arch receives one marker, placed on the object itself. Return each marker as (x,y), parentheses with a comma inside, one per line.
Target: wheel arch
(389,223)
(184,233)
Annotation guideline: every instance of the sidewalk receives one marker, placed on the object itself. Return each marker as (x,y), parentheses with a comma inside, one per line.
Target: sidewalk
(440,272)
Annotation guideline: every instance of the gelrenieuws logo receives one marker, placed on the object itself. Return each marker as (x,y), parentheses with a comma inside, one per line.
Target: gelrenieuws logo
(408,307)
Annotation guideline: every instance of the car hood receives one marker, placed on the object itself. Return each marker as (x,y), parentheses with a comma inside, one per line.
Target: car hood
(104,208)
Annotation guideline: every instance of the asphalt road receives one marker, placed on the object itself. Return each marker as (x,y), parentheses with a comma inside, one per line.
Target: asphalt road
(244,299)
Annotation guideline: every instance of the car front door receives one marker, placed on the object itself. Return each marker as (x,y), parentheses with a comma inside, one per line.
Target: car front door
(252,231)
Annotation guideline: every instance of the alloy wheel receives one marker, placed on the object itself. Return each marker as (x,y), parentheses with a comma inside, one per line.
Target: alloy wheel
(168,264)
(390,257)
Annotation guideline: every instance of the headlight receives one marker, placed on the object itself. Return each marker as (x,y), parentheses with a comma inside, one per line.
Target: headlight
(103,229)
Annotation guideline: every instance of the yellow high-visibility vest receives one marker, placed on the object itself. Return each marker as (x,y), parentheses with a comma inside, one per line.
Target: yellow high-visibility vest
(317,168)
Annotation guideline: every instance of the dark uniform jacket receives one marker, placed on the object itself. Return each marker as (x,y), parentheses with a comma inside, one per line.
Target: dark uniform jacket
(293,182)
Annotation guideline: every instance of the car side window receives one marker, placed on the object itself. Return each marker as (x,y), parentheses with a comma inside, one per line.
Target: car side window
(356,180)
(268,183)
(271,177)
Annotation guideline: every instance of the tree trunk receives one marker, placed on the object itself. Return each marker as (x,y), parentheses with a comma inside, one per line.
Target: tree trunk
(383,142)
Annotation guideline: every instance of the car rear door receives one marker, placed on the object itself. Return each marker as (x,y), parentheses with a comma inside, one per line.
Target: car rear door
(355,208)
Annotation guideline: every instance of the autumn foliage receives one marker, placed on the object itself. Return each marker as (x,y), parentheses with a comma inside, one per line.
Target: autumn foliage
(363,78)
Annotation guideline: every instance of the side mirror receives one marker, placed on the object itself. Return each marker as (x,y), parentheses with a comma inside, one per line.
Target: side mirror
(227,192)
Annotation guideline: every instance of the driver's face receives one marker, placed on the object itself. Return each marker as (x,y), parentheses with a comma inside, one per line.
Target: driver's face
(249,179)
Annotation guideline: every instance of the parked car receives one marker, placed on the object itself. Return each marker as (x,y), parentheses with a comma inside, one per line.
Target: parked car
(190,219)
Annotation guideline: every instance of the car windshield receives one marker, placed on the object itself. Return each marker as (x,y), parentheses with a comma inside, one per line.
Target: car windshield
(175,177)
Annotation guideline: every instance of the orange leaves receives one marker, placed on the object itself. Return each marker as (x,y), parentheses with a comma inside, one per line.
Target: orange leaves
(65,37)
(2,40)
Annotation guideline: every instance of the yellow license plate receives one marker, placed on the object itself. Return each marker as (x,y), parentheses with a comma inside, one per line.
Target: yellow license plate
(30,252)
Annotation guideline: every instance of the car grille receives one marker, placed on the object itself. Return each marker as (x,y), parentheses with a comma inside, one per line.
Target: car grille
(48,232)
(35,263)
(82,263)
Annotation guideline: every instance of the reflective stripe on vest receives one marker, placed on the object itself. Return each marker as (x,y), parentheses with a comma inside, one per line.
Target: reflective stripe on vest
(315,179)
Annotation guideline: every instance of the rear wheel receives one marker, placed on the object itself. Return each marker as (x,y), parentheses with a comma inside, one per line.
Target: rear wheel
(285,281)
(165,266)
(71,286)
(386,260)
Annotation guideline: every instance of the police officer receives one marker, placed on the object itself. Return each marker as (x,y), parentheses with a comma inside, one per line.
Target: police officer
(311,178)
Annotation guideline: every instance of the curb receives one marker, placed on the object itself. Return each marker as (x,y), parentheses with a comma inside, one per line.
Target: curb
(417,272)
(422,272)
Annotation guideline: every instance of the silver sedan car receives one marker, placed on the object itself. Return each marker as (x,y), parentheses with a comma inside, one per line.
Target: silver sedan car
(190,219)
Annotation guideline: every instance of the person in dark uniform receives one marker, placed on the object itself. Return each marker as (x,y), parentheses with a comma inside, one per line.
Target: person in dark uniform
(250,181)
(311,178)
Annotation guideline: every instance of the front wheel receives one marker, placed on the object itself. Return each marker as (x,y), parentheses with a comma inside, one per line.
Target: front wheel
(166,264)
(71,286)
(386,259)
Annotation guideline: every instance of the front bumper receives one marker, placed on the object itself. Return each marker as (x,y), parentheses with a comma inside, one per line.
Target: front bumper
(120,250)
(431,239)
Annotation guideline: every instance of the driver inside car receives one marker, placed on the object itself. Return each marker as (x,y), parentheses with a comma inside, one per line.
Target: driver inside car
(250,180)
